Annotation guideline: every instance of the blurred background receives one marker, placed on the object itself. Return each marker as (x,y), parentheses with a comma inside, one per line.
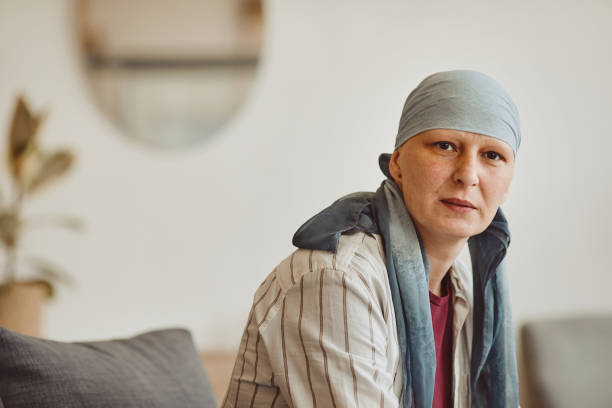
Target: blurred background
(206,133)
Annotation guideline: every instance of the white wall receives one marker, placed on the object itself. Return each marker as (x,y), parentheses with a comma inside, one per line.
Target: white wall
(185,238)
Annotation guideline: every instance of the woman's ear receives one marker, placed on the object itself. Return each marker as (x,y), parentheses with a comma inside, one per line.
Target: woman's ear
(394,167)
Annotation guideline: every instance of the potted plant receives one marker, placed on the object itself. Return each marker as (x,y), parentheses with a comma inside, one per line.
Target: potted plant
(25,286)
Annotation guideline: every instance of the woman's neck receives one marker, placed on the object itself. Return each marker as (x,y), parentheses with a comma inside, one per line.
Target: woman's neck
(441,253)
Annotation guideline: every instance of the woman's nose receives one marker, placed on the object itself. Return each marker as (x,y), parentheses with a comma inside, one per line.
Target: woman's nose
(466,171)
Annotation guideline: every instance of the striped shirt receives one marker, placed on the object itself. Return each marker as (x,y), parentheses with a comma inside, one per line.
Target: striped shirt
(322,333)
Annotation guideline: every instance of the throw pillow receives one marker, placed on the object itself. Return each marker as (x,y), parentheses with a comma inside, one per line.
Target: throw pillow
(156,369)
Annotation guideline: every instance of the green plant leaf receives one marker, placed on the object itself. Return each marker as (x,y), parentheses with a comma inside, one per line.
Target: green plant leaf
(52,167)
(22,137)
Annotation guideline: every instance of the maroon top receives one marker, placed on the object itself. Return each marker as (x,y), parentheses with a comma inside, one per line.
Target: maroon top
(442,319)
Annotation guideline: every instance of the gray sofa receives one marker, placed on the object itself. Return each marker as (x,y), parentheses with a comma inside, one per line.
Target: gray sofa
(156,369)
(568,362)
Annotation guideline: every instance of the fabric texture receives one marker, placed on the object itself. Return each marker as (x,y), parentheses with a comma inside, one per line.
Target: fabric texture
(156,369)
(462,100)
(322,332)
(493,373)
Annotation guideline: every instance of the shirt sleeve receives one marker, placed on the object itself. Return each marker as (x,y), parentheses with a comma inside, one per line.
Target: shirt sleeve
(327,343)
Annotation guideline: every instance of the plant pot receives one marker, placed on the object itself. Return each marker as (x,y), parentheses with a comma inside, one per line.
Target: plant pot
(21,306)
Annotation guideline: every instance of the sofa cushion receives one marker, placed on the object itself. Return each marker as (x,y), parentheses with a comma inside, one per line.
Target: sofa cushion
(567,362)
(156,369)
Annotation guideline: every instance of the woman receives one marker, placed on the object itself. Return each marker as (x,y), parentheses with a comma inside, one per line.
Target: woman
(374,309)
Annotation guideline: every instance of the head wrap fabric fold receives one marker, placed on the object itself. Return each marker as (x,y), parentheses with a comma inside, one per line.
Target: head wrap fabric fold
(462,100)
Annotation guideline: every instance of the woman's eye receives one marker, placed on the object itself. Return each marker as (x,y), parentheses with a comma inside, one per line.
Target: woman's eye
(491,155)
(445,145)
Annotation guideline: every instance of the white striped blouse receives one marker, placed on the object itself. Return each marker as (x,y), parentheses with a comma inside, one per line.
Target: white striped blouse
(322,333)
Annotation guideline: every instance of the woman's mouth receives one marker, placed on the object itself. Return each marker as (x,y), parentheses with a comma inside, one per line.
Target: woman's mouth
(458,205)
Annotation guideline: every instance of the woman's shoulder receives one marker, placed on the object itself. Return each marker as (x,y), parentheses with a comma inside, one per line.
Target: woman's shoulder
(357,267)
(358,263)
(355,251)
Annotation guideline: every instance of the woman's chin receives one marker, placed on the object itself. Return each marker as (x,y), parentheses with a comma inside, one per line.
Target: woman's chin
(459,231)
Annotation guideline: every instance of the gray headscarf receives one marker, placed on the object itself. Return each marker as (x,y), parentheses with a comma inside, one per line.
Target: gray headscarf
(461,100)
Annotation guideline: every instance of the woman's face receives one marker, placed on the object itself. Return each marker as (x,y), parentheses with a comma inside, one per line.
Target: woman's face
(452,181)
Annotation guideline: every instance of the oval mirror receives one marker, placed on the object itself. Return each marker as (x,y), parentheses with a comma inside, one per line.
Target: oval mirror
(170,73)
